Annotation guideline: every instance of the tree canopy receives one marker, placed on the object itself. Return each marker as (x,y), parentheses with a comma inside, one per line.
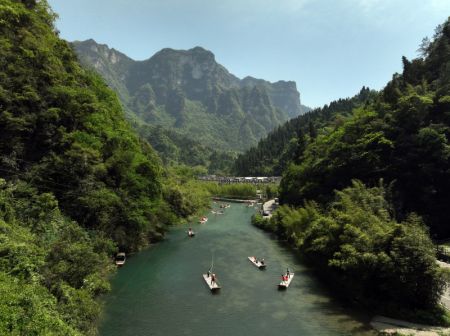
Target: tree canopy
(374,237)
(76,183)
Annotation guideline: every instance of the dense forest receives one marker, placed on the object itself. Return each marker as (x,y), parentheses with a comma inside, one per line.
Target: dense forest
(376,261)
(366,180)
(285,144)
(363,194)
(76,183)
(177,149)
(401,137)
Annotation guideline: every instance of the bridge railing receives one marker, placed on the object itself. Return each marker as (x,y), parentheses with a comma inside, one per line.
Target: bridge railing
(238,179)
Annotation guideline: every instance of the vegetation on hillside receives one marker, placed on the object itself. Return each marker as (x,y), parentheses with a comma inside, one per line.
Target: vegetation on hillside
(184,194)
(76,183)
(286,143)
(177,149)
(373,259)
(235,190)
(190,94)
(50,268)
(402,136)
(375,241)
(63,131)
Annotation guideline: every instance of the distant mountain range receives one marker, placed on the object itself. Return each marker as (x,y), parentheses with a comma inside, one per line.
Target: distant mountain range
(187,91)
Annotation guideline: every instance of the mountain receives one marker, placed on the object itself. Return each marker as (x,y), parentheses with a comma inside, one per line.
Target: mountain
(366,185)
(283,94)
(400,135)
(76,182)
(277,150)
(189,92)
(175,148)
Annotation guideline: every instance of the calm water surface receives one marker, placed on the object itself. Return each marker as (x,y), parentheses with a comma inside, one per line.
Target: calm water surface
(161,291)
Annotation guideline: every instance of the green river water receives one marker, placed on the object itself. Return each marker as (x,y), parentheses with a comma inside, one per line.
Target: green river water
(160,291)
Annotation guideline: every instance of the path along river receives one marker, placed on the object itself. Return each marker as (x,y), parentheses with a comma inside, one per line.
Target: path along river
(160,291)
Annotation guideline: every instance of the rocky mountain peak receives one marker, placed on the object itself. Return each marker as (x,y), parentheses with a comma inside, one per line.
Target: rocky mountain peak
(93,49)
(189,91)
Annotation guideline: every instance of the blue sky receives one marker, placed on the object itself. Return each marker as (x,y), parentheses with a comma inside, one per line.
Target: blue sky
(331,48)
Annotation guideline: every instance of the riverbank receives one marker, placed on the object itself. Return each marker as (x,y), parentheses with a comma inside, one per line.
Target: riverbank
(373,260)
(389,326)
(235,200)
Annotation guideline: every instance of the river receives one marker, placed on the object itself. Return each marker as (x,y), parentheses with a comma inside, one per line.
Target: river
(160,291)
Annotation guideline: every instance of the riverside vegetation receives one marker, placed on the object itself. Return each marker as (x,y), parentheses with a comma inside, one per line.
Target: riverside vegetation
(363,193)
(77,184)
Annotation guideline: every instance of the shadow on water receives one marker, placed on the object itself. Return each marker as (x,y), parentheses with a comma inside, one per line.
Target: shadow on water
(160,291)
(326,295)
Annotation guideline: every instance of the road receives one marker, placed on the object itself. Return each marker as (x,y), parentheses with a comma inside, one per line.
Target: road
(445,298)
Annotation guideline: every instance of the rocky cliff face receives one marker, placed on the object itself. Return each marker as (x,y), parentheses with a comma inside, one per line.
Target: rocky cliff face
(110,63)
(283,94)
(189,91)
(194,71)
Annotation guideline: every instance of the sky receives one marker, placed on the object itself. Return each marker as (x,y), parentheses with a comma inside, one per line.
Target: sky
(330,48)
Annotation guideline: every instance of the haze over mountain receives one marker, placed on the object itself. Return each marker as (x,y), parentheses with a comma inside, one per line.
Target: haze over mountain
(187,90)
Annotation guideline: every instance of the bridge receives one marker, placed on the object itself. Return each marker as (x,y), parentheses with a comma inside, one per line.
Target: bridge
(240,179)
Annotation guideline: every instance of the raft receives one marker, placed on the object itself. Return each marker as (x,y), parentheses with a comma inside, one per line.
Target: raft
(257,263)
(285,284)
(120,259)
(214,286)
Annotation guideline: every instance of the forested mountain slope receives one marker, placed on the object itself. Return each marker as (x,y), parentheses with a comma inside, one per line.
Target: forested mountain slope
(76,183)
(175,149)
(273,153)
(63,130)
(362,194)
(399,134)
(190,93)
(402,136)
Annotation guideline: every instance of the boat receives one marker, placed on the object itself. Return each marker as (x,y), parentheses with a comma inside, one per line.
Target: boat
(203,220)
(120,259)
(213,285)
(210,278)
(286,281)
(258,263)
